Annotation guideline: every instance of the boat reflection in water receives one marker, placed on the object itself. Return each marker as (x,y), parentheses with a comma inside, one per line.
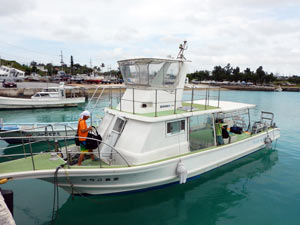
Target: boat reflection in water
(209,197)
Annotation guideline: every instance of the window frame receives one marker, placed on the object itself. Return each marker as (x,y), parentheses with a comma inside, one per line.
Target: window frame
(181,131)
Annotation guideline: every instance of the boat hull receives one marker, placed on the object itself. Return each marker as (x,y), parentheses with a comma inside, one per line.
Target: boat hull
(101,181)
(21,103)
(108,181)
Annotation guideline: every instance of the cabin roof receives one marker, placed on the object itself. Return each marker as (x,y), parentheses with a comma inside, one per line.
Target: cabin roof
(198,109)
(146,60)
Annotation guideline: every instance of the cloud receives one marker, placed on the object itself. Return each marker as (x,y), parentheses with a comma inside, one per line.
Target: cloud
(243,33)
(15,7)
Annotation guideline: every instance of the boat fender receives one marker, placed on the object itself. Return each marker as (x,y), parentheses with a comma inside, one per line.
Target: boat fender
(268,142)
(181,171)
(4,180)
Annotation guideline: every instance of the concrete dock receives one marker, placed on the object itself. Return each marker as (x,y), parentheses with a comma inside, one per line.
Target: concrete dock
(6,217)
(27,89)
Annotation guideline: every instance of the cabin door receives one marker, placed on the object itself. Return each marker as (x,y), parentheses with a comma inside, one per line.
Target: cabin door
(112,138)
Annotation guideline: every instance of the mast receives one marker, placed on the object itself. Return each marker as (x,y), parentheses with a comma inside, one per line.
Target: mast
(182,48)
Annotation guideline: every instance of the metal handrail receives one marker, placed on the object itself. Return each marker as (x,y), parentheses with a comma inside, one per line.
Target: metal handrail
(194,97)
(33,128)
(93,96)
(31,153)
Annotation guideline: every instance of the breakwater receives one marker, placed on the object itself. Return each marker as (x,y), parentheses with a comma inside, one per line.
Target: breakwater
(258,88)
(87,91)
(79,91)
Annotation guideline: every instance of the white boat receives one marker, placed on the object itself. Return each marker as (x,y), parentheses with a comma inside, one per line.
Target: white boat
(47,98)
(12,133)
(153,138)
(278,89)
(34,77)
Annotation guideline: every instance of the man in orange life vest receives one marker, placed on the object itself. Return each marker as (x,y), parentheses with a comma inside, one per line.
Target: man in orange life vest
(83,131)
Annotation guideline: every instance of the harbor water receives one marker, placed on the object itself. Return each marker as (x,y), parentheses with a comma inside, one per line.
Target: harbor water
(262,188)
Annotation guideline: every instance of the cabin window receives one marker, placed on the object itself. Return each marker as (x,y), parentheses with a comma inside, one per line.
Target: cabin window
(119,125)
(175,127)
(201,132)
(154,73)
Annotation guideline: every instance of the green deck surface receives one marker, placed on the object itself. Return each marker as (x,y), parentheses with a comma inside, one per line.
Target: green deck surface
(41,162)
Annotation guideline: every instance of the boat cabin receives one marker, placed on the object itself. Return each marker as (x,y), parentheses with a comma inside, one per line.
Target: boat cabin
(152,84)
(51,92)
(152,122)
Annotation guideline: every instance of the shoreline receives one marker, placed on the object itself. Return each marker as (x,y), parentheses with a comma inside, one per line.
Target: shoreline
(87,90)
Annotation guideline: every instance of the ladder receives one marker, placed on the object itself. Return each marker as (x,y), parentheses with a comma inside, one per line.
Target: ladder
(267,116)
(91,107)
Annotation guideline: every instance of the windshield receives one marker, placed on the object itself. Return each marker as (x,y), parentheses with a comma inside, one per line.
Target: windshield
(156,73)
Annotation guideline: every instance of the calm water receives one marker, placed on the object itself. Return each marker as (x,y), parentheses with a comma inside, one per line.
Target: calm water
(262,188)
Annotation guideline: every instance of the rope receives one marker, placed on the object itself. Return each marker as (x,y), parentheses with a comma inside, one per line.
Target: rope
(71,185)
(55,195)
(78,192)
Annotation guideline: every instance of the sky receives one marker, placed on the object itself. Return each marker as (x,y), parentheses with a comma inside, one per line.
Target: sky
(247,33)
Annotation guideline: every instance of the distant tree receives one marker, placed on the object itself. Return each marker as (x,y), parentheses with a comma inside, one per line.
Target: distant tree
(102,66)
(72,65)
(218,73)
(236,75)
(260,73)
(77,65)
(294,79)
(27,71)
(49,67)
(248,75)
(33,65)
(270,78)
(199,75)
(228,70)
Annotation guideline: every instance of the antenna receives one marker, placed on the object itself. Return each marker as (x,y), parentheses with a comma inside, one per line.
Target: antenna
(182,47)
(61,58)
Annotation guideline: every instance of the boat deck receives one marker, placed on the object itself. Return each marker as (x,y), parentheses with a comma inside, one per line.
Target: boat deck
(43,162)
(198,107)
(186,107)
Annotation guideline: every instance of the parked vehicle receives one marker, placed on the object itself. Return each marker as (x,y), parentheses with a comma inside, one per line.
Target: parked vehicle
(117,81)
(9,83)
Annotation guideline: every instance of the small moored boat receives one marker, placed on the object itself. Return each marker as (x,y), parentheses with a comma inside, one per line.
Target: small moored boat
(47,98)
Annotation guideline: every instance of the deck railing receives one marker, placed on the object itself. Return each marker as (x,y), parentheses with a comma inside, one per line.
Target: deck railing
(113,97)
(65,152)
